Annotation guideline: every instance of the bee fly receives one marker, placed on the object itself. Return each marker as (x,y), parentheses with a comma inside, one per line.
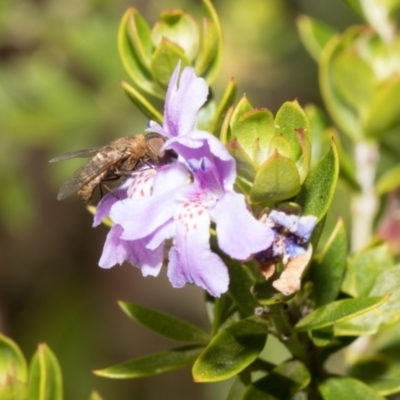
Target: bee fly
(120,158)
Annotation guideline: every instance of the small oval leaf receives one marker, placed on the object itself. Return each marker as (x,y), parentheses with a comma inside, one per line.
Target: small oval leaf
(45,379)
(346,388)
(339,311)
(164,324)
(317,191)
(231,351)
(152,364)
(12,362)
(281,383)
(276,180)
(329,268)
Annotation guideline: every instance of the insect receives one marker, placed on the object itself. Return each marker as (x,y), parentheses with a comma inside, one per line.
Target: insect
(120,158)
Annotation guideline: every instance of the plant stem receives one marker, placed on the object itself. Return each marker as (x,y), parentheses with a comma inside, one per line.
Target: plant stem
(365,203)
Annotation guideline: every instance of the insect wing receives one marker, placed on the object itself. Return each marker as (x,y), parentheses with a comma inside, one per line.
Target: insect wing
(76,154)
(83,176)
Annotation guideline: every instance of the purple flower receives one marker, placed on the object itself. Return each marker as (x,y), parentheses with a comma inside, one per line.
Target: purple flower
(177,202)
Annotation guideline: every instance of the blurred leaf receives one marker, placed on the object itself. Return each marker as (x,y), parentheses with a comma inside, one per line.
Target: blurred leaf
(317,191)
(370,367)
(238,387)
(130,59)
(282,383)
(12,389)
(389,180)
(338,311)
(276,180)
(346,388)
(164,61)
(12,361)
(228,99)
(363,269)
(355,4)
(329,267)
(209,58)
(140,38)
(45,378)
(177,27)
(314,35)
(164,324)
(152,364)
(386,283)
(385,387)
(355,81)
(231,350)
(345,117)
(383,114)
(95,396)
(141,102)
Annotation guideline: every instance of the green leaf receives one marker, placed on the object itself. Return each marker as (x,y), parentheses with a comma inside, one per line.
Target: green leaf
(139,35)
(386,283)
(241,108)
(209,58)
(164,324)
(318,189)
(383,114)
(219,310)
(255,126)
(292,122)
(142,103)
(266,294)
(282,383)
(131,60)
(355,81)
(95,396)
(228,99)
(12,361)
(177,27)
(385,387)
(12,389)
(363,269)
(344,116)
(231,351)
(238,387)
(240,286)
(389,181)
(152,364)
(45,379)
(329,267)
(164,61)
(245,167)
(314,35)
(276,180)
(346,388)
(338,311)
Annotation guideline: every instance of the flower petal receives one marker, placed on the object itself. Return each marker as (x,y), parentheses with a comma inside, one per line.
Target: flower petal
(191,259)
(105,204)
(142,217)
(183,102)
(239,234)
(201,144)
(117,251)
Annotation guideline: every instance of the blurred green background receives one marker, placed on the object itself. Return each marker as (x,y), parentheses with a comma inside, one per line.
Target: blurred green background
(59,91)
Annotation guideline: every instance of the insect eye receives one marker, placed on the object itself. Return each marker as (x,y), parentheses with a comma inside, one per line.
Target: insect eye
(154,145)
